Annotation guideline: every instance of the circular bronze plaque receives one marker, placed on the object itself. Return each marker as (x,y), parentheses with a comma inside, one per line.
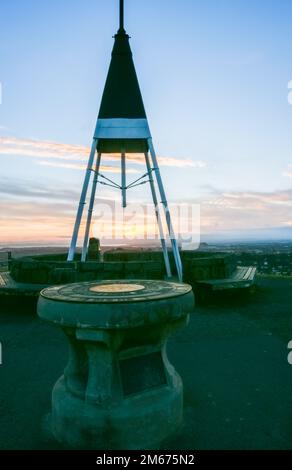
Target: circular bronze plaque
(113,288)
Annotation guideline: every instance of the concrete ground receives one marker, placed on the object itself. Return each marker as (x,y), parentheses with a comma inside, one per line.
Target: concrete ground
(232,358)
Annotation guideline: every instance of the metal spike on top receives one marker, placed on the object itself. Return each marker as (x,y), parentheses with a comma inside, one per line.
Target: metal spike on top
(122,15)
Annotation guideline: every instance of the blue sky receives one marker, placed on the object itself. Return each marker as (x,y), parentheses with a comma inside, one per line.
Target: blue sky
(214,77)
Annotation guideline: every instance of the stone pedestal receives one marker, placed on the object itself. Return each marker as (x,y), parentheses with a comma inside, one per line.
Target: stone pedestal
(93,253)
(118,390)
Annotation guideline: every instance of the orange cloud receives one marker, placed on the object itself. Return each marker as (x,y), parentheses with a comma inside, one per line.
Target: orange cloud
(59,151)
(42,215)
(78,166)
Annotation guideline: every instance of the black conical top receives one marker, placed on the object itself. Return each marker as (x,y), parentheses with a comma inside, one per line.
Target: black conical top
(122,96)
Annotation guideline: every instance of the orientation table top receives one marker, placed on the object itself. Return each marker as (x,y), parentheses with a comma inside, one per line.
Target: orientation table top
(117,291)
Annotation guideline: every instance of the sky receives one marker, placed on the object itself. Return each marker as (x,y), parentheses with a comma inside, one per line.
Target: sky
(214,76)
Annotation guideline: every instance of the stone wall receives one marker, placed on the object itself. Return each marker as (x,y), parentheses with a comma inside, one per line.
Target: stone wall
(119,265)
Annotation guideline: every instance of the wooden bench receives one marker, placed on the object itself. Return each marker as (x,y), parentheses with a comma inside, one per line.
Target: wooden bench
(2,280)
(242,278)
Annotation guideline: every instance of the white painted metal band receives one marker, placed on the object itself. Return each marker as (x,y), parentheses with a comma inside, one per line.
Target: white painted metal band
(122,129)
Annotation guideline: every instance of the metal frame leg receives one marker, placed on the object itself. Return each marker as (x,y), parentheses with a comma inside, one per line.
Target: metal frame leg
(82,202)
(174,244)
(124,183)
(90,209)
(158,218)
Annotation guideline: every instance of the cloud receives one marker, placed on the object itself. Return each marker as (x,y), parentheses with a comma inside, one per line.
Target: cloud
(19,189)
(33,213)
(30,212)
(77,153)
(36,148)
(26,222)
(32,194)
(287,174)
(246,211)
(76,166)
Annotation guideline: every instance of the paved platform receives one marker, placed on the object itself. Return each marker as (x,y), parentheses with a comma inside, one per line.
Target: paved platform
(232,357)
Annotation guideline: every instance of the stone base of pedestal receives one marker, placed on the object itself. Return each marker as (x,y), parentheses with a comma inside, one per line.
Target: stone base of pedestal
(140,422)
